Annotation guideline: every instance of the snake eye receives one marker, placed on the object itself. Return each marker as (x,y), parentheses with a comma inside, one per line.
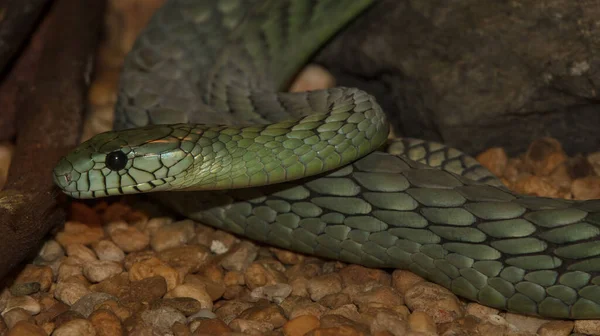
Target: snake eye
(116,160)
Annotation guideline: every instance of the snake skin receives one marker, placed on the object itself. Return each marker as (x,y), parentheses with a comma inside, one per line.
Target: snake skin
(422,206)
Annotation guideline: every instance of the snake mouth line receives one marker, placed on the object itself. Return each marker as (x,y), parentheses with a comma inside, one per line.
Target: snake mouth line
(138,188)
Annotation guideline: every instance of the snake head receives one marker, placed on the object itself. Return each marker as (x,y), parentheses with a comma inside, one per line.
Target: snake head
(124,162)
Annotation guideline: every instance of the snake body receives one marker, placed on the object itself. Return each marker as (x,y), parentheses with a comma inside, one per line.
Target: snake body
(199,116)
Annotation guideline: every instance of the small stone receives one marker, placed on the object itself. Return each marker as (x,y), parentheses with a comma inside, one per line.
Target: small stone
(79,233)
(525,323)
(362,276)
(42,275)
(212,327)
(336,331)
(274,293)
(332,321)
(107,250)
(588,327)
(421,322)
(270,313)
(594,160)
(153,224)
(27,303)
(214,289)
(106,323)
(480,311)
(26,288)
(186,305)
(67,316)
(75,327)
(116,212)
(173,235)
(235,292)
(192,291)
(161,319)
(544,155)
(100,270)
(312,77)
(534,185)
(180,329)
(304,271)
(86,305)
(145,290)
(202,314)
(251,327)
(153,267)
(311,308)
(13,316)
(69,292)
(288,257)
(228,310)
(49,313)
(335,300)
(349,311)
(384,296)
(51,251)
(130,239)
(80,212)
(586,188)
(234,278)
(111,305)
(404,280)
(391,324)
(25,328)
(494,159)
(434,300)
(556,328)
(190,257)
(259,275)
(241,258)
(115,285)
(135,257)
(323,285)
(301,325)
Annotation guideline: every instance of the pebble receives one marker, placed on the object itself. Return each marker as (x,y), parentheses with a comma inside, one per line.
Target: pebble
(186,305)
(331,321)
(274,293)
(434,300)
(586,188)
(70,292)
(222,242)
(106,323)
(14,316)
(384,296)
(240,259)
(228,310)
(25,288)
(152,225)
(335,300)
(403,280)
(152,267)
(214,289)
(269,313)
(287,257)
(42,275)
(349,311)
(173,235)
(79,233)
(161,319)
(51,250)
(312,77)
(336,331)
(121,312)
(588,327)
(494,159)
(480,311)
(389,323)
(556,328)
(82,213)
(259,275)
(192,291)
(525,323)
(75,327)
(544,155)
(190,257)
(421,322)
(145,290)
(211,327)
(323,285)
(109,251)
(363,276)
(99,270)
(25,328)
(301,325)
(130,239)
(87,304)
(26,303)
(202,314)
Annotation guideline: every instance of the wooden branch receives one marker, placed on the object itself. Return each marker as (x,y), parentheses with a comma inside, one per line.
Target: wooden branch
(18,19)
(48,126)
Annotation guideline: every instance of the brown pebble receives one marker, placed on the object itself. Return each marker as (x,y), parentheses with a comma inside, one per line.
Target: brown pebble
(191,257)
(214,289)
(69,292)
(556,328)
(180,329)
(130,239)
(241,258)
(99,270)
(544,155)
(25,328)
(106,323)
(494,159)
(403,280)
(121,312)
(173,235)
(188,306)
(335,300)
(153,267)
(251,327)
(75,327)
(480,311)
(107,250)
(67,316)
(384,296)
(330,321)
(390,323)
(525,323)
(421,322)
(270,313)
(145,290)
(135,257)
(51,312)
(40,274)
(301,325)
(349,311)
(116,212)
(323,285)
(228,310)
(13,316)
(260,274)
(312,77)
(79,233)
(586,188)
(588,327)
(212,327)
(234,278)
(535,185)
(336,331)
(288,257)
(363,276)
(115,286)
(192,290)
(434,300)
(304,270)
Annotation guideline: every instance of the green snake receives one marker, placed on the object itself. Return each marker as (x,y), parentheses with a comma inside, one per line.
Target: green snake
(199,113)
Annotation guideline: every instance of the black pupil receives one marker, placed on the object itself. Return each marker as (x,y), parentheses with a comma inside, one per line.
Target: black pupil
(116,160)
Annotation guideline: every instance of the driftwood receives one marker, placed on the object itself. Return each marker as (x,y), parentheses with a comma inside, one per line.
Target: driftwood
(49,124)
(477,74)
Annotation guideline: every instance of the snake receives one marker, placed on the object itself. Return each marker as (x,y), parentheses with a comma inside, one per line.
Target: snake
(205,125)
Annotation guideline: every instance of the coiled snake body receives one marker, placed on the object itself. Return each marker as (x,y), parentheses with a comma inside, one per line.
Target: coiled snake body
(301,171)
